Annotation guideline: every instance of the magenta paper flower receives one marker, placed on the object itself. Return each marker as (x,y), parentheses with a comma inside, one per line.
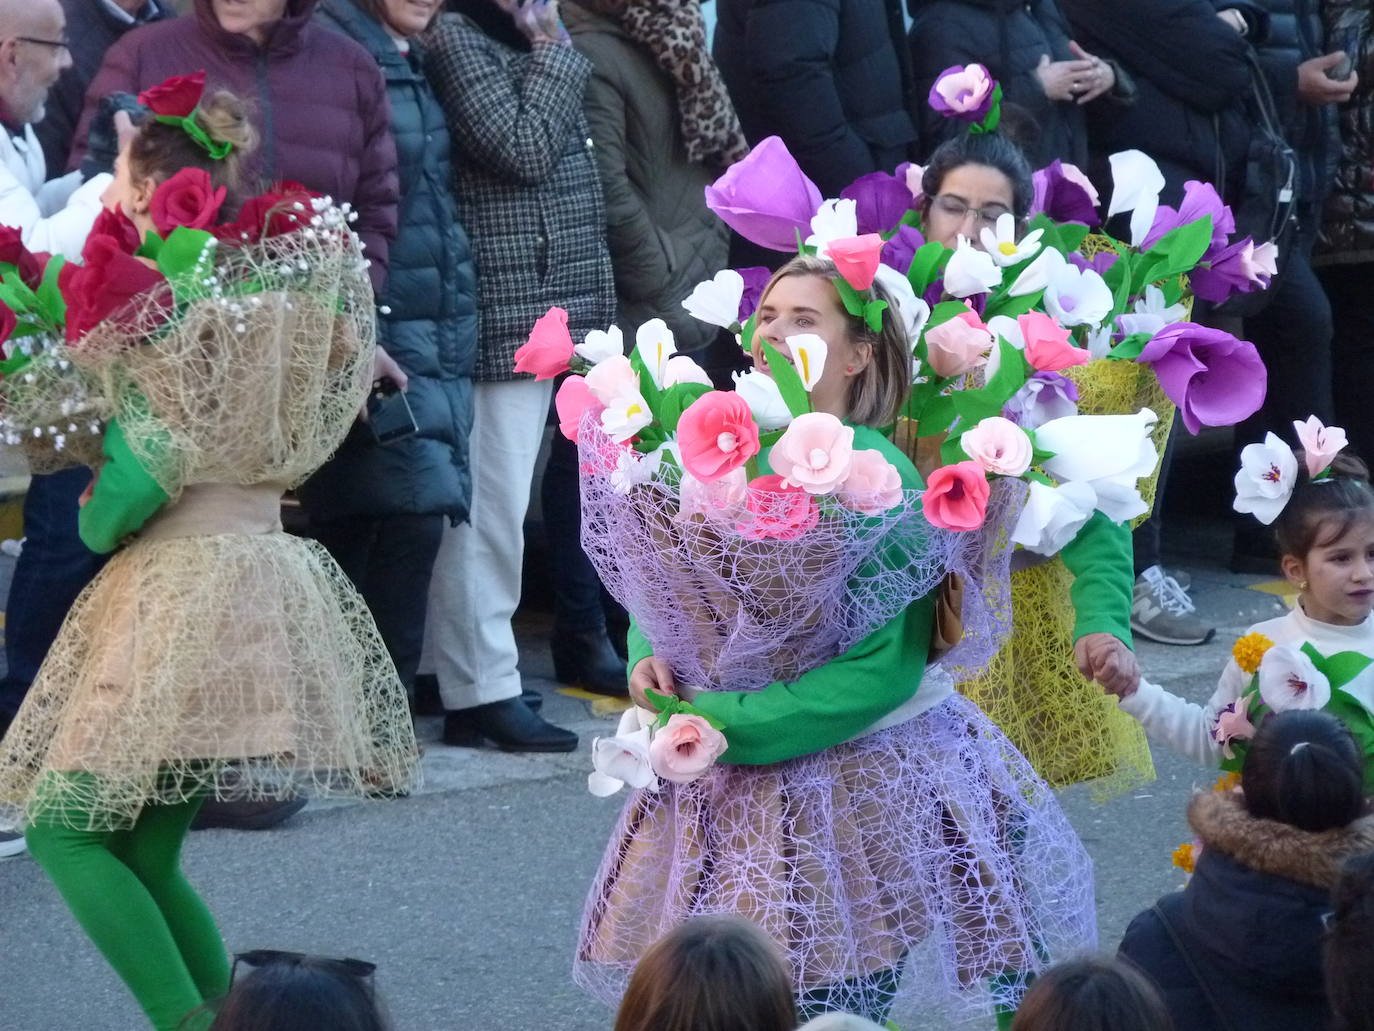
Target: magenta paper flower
(777,512)
(765,197)
(956,497)
(880,201)
(1065,194)
(963,92)
(1199,199)
(1214,378)
(549,348)
(814,453)
(857,259)
(755,278)
(1233,724)
(1320,444)
(716,434)
(1229,270)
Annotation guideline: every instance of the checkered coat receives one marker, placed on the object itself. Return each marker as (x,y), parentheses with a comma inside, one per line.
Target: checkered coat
(527,185)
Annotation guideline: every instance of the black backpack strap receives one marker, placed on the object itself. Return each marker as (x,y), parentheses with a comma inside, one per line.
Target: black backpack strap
(1198,976)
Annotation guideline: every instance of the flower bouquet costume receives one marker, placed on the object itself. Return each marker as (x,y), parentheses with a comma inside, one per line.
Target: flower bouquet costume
(228,370)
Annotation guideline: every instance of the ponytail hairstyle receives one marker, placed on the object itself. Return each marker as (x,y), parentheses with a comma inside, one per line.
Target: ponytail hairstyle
(1304,769)
(992,149)
(1320,511)
(159,151)
(1350,946)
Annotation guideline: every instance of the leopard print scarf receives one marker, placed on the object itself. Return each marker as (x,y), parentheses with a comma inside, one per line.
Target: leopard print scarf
(674,33)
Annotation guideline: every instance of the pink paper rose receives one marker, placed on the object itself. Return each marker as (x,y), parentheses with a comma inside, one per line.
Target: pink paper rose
(716,434)
(550,347)
(873,485)
(777,512)
(956,346)
(573,400)
(721,500)
(956,497)
(999,446)
(857,258)
(1047,343)
(814,453)
(685,748)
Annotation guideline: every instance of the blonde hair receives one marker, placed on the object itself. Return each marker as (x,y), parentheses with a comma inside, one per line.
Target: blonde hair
(877,393)
(160,151)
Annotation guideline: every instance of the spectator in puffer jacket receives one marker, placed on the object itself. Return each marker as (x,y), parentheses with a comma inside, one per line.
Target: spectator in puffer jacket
(528,193)
(380,508)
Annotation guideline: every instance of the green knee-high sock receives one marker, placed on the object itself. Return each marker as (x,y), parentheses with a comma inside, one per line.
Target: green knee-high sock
(152,850)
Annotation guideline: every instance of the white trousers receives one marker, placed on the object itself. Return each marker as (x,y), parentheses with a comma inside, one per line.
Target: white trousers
(469,642)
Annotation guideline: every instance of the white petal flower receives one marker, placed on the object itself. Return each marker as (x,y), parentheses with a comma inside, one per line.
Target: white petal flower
(1037,275)
(623,759)
(1109,453)
(632,469)
(914,311)
(1289,680)
(601,344)
(682,369)
(625,415)
(764,399)
(834,220)
(1077,297)
(1265,481)
(1001,243)
(1153,303)
(808,355)
(1100,341)
(970,271)
(655,344)
(611,378)
(1136,185)
(716,301)
(1147,322)
(1053,516)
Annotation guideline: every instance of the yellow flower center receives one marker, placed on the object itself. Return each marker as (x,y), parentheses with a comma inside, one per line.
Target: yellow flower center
(1007,247)
(805,366)
(633,410)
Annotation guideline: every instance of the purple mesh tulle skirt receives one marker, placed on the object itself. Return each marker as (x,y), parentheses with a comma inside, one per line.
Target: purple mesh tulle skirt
(921,869)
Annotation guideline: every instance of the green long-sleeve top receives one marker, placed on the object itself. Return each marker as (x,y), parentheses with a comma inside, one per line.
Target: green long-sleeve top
(1103,565)
(836,701)
(124,497)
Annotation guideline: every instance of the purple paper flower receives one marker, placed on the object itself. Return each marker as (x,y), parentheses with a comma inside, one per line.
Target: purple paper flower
(765,197)
(1213,378)
(898,251)
(1199,199)
(912,175)
(880,201)
(1099,262)
(755,278)
(1065,194)
(1228,270)
(1045,396)
(964,92)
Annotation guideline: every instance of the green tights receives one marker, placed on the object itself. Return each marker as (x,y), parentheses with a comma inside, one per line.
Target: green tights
(128,893)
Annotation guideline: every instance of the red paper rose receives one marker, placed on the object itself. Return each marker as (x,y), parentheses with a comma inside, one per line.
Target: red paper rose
(115,226)
(956,497)
(283,209)
(8,321)
(104,287)
(188,199)
(177,97)
(13,252)
(777,512)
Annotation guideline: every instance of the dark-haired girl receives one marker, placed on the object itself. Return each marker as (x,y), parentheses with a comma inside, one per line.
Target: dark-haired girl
(1241,945)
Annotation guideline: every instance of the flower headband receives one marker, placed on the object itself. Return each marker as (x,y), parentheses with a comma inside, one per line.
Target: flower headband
(175,102)
(1269,471)
(970,94)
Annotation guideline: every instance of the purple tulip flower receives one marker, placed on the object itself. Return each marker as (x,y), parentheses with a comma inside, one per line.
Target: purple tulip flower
(964,92)
(899,251)
(765,197)
(1065,194)
(1213,378)
(1228,270)
(755,278)
(1199,199)
(880,201)
(1045,396)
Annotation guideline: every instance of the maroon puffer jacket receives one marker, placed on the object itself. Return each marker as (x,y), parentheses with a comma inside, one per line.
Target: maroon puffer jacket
(318,99)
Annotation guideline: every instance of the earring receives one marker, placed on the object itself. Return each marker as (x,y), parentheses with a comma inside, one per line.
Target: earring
(849,368)
(1303,587)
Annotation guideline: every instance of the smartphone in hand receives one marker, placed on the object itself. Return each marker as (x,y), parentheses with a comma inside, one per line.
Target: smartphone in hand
(388,413)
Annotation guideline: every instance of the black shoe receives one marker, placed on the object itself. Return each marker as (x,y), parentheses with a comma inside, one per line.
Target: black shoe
(532,698)
(426,696)
(246,815)
(510,725)
(588,661)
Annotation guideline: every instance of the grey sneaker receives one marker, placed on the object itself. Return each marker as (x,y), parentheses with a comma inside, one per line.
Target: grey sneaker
(11,844)
(1162,611)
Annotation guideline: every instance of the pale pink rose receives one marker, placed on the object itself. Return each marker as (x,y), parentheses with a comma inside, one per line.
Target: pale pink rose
(685,748)
(956,346)
(573,400)
(716,434)
(873,485)
(999,446)
(1047,343)
(721,500)
(550,347)
(1319,443)
(814,453)
(612,378)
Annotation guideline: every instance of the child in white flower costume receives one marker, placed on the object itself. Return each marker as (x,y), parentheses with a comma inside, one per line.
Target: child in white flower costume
(1321,654)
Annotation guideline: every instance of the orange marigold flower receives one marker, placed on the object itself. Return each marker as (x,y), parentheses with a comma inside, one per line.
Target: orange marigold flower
(1185,856)
(1249,650)
(1227,781)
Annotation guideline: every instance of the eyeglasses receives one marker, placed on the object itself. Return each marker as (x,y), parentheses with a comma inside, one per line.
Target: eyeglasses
(358,969)
(57,44)
(956,209)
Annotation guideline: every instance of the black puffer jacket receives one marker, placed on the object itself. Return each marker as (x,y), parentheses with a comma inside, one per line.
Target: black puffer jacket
(430,327)
(828,76)
(1244,936)
(1009,37)
(1348,222)
(1191,78)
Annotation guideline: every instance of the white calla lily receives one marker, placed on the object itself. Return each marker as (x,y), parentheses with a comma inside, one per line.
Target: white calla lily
(1077,297)
(601,344)
(1053,516)
(914,311)
(1000,242)
(970,271)
(1136,185)
(715,301)
(682,369)
(1266,478)
(655,344)
(834,220)
(808,355)
(1110,453)
(1037,275)
(1288,679)
(764,399)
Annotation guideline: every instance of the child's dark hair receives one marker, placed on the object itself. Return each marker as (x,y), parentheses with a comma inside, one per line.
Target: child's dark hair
(1321,511)
(290,992)
(159,150)
(993,149)
(1092,994)
(1350,946)
(1304,769)
(713,973)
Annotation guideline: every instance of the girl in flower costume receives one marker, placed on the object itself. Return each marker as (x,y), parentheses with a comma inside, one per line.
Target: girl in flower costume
(864,814)
(1321,654)
(230,363)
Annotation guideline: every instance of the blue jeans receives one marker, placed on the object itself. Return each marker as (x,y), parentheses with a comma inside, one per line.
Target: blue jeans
(51,571)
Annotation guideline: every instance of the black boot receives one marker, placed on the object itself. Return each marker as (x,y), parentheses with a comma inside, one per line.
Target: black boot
(510,725)
(588,661)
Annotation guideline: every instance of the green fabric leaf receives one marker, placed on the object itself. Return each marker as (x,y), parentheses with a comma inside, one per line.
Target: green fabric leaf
(1340,668)
(789,381)
(746,332)
(952,451)
(676,400)
(1130,348)
(149,248)
(671,705)
(1004,304)
(1178,251)
(181,251)
(653,397)
(926,266)
(51,304)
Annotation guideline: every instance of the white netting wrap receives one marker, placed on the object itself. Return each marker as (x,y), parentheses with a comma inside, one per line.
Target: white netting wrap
(50,409)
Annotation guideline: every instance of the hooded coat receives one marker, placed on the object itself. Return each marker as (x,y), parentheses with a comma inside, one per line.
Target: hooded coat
(1240,946)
